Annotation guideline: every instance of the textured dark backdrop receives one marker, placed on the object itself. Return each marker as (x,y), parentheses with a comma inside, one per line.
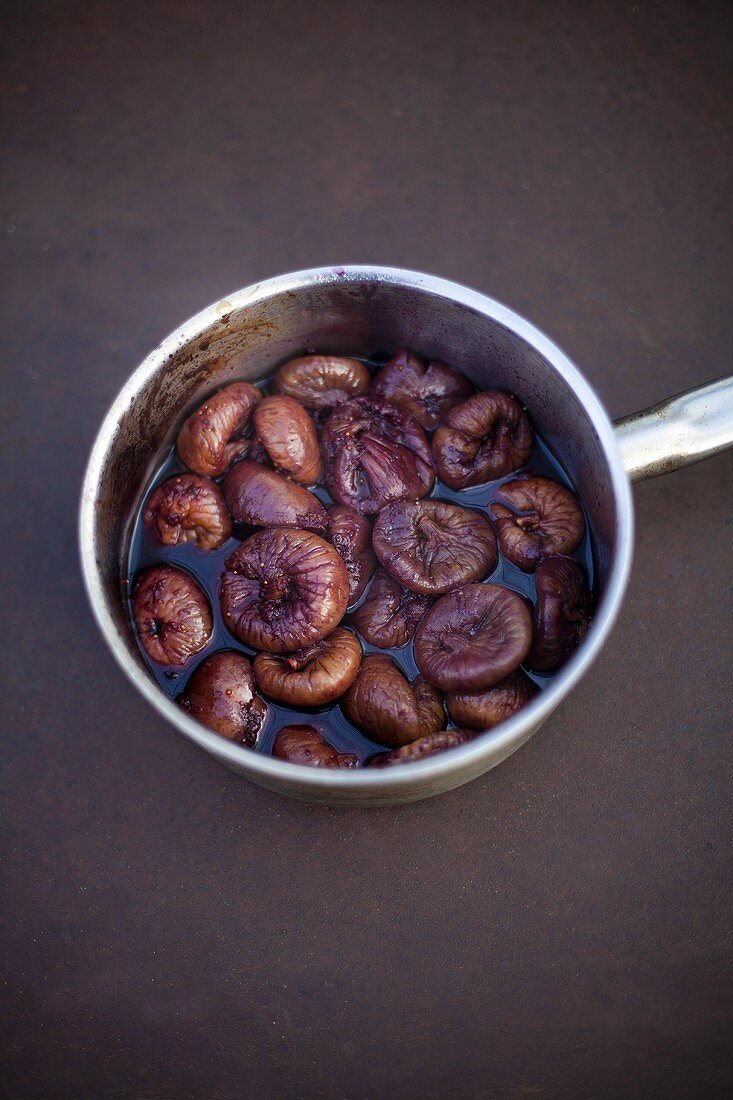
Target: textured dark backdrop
(556,928)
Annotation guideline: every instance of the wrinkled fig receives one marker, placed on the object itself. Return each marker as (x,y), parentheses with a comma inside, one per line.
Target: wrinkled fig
(187,508)
(211,437)
(473,637)
(375,452)
(561,615)
(321,381)
(172,615)
(387,707)
(283,590)
(261,497)
(482,710)
(310,677)
(427,390)
(544,518)
(426,746)
(220,693)
(286,432)
(432,547)
(483,438)
(389,616)
(305,745)
(351,535)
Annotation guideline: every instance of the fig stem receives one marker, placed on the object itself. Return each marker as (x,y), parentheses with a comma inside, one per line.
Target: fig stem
(528,522)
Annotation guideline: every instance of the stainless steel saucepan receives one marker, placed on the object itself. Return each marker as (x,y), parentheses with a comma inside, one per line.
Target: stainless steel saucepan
(360,310)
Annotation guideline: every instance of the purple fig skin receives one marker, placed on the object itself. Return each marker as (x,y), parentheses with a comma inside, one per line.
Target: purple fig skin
(424,747)
(484,438)
(473,638)
(562,613)
(172,615)
(286,432)
(210,439)
(374,453)
(283,590)
(305,745)
(387,707)
(260,497)
(426,390)
(482,710)
(543,518)
(313,676)
(187,508)
(390,614)
(220,694)
(322,381)
(351,535)
(432,547)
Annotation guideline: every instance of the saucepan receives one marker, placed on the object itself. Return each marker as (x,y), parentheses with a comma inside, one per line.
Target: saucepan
(360,311)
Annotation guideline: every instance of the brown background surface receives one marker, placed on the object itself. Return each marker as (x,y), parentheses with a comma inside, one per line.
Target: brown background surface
(559,927)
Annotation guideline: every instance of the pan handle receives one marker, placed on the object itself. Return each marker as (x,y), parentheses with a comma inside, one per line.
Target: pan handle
(677,432)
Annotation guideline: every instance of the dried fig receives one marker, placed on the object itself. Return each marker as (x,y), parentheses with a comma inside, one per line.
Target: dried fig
(483,438)
(375,452)
(220,693)
(351,535)
(321,381)
(171,613)
(482,710)
(427,390)
(545,519)
(261,497)
(305,745)
(187,508)
(473,637)
(387,707)
(283,590)
(561,615)
(390,613)
(310,677)
(428,745)
(432,547)
(211,437)
(286,432)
